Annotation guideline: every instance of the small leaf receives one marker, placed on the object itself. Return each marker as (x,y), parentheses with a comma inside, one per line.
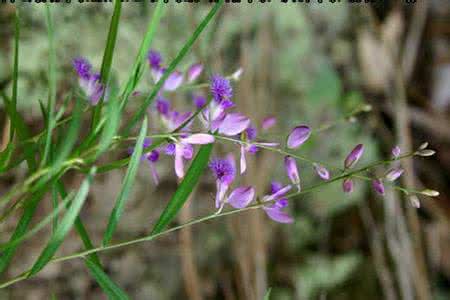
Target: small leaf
(126,186)
(185,189)
(64,226)
(108,286)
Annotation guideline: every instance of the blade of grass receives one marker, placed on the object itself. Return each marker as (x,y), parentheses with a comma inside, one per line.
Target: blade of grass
(111,125)
(107,58)
(185,189)
(267,295)
(51,86)
(138,67)
(16,68)
(126,186)
(109,287)
(65,225)
(187,46)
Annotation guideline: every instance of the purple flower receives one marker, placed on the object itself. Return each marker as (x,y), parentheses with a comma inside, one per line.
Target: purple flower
(172,82)
(322,171)
(233,124)
(354,156)
(241,196)
(199,101)
(183,150)
(194,71)
(251,132)
(82,67)
(347,185)
(89,82)
(298,136)
(268,122)
(173,119)
(396,151)
(220,88)
(378,186)
(154,59)
(394,173)
(224,170)
(275,210)
(153,157)
(290,166)
(162,106)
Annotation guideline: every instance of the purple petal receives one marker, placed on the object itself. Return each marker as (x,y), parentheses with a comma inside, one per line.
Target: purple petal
(188,151)
(198,139)
(322,171)
(378,186)
(290,165)
(154,59)
(241,196)
(82,67)
(347,185)
(276,214)
(199,101)
(220,88)
(268,122)
(173,81)
(282,203)
(275,186)
(251,132)
(162,106)
(396,151)
(233,124)
(394,173)
(243,162)
(354,156)
(153,156)
(298,136)
(280,193)
(194,71)
(170,149)
(179,164)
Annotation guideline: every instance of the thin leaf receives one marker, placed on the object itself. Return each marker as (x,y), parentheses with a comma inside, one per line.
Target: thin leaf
(267,295)
(126,186)
(185,189)
(111,125)
(107,57)
(108,286)
(65,225)
(187,46)
(51,122)
(139,63)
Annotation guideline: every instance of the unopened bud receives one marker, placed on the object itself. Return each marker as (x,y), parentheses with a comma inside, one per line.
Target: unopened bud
(423,146)
(237,75)
(367,108)
(414,201)
(425,152)
(430,193)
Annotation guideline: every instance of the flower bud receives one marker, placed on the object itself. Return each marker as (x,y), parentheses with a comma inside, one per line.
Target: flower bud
(354,156)
(378,186)
(291,169)
(425,152)
(414,201)
(423,146)
(430,193)
(396,151)
(322,171)
(394,173)
(298,136)
(347,185)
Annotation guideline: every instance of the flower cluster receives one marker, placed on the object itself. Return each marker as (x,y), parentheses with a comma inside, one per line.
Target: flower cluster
(218,118)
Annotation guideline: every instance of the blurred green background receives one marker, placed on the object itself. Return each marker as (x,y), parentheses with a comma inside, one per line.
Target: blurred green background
(310,64)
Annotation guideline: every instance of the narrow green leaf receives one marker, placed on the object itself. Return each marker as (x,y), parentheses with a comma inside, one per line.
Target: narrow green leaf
(187,46)
(109,287)
(267,296)
(126,186)
(139,63)
(40,225)
(111,124)
(16,61)
(64,226)
(5,156)
(107,57)
(185,189)
(51,86)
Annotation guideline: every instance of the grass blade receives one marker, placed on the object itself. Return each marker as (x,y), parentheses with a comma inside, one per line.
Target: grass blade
(185,189)
(111,125)
(267,295)
(64,226)
(126,186)
(50,111)
(138,67)
(187,46)
(107,57)
(109,287)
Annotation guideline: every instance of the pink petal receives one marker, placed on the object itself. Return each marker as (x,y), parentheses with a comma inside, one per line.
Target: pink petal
(276,214)
(243,161)
(194,71)
(290,166)
(394,173)
(233,124)
(241,196)
(298,136)
(179,164)
(173,81)
(279,193)
(268,122)
(220,193)
(198,139)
